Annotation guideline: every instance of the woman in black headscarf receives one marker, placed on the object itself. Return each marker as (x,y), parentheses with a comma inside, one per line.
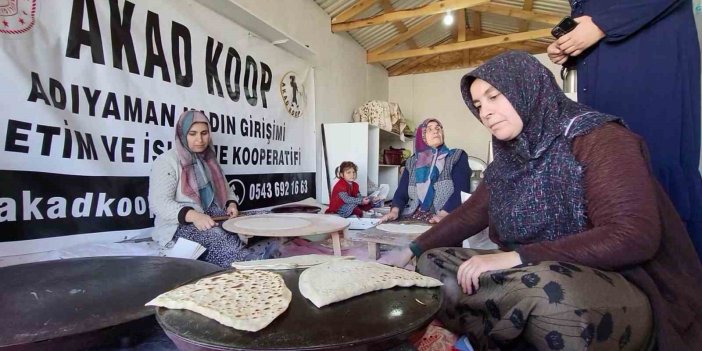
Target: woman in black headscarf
(593,254)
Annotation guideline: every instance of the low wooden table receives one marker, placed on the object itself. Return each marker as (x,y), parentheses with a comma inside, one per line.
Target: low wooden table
(290,225)
(379,320)
(374,237)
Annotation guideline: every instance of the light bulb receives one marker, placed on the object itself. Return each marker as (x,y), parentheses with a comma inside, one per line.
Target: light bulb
(448,19)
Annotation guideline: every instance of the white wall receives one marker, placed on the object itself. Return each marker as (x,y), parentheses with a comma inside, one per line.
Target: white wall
(438,95)
(343,80)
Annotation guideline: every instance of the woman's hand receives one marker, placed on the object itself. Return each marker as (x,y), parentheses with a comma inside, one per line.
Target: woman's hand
(469,272)
(583,36)
(366,200)
(556,54)
(391,216)
(438,217)
(232,210)
(397,258)
(201,221)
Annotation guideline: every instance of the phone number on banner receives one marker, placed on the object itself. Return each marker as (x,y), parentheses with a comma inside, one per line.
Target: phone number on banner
(269,190)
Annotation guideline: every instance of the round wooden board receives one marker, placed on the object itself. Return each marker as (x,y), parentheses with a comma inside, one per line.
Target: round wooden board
(285,224)
(403,228)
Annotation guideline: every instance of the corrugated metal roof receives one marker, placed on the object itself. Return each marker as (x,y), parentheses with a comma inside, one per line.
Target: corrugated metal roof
(370,37)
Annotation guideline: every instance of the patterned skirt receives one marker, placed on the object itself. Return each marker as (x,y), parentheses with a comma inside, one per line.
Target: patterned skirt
(545,306)
(224,247)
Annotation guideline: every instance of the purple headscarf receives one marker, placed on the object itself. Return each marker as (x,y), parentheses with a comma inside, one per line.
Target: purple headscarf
(535,182)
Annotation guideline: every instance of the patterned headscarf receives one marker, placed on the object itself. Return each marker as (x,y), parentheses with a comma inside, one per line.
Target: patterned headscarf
(424,174)
(535,182)
(201,178)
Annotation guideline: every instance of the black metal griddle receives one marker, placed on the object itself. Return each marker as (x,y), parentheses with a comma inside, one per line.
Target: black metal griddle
(378,320)
(77,303)
(296,208)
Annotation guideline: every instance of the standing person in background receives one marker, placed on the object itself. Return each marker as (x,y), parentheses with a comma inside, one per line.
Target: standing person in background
(641,60)
(431,184)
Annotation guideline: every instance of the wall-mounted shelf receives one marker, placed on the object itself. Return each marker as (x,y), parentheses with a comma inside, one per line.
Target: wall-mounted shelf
(390,135)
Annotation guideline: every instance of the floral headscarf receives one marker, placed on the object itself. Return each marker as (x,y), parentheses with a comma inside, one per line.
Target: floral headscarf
(201,178)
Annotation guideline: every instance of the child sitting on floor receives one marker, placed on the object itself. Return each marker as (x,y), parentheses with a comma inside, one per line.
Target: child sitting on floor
(345,199)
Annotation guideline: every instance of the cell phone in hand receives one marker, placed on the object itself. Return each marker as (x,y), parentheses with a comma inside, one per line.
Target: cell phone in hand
(566,25)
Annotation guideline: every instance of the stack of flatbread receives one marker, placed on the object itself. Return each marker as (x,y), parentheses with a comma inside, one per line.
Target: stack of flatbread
(293,262)
(343,279)
(244,300)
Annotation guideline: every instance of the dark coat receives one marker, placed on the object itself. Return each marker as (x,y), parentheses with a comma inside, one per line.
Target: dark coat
(647,70)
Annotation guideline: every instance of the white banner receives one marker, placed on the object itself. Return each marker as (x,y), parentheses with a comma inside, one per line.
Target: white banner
(90,96)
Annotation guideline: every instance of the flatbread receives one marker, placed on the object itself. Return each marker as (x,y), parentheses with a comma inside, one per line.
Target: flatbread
(302,261)
(244,300)
(340,280)
(403,228)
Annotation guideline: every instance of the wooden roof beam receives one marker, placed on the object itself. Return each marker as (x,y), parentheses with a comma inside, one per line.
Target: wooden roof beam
(468,55)
(461,25)
(411,32)
(517,12)
(432,8)
(476,19)
(527,6)
(496,40)
(387,7)
(353,10)
(458,60)
(408,64)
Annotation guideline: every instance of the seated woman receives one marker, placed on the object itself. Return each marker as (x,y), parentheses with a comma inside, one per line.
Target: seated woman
(431,184)
(187,188)
(593,254)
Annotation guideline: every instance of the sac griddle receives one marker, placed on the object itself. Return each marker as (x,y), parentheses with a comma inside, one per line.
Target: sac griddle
(379,320)
(85,302)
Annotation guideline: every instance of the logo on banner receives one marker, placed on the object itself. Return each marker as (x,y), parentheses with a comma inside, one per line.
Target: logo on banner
(293,93)
(239,190)
(17,16)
